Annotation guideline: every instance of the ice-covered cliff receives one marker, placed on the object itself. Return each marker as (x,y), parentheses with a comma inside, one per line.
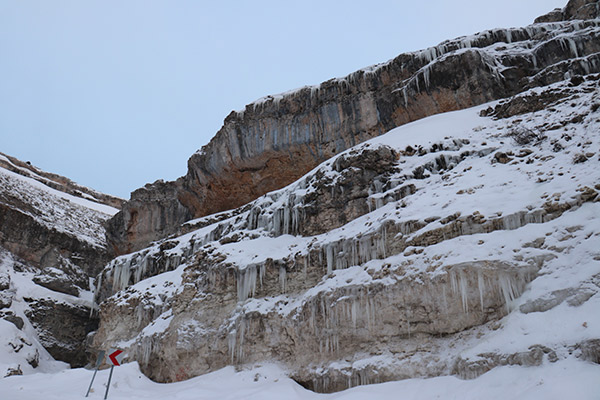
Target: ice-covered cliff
(450,245)
(277,139)
(434,215)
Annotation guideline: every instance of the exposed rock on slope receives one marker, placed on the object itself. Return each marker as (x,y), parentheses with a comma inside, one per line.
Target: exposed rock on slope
(459,230)
(45,226)
(575,9)
(58,182)
(52,241)
(277,139)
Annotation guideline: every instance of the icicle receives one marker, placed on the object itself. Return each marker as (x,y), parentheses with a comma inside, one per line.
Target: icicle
(481,287)
(330,258)
(306,263)
(459,284)
(585,65)
(121,275)
(231,342)
(246,282)
(426,72)
(240,352)
(508,289)
(355,307)
(464,286)
(261,274)
(286,219)
(573,47)
(282,278)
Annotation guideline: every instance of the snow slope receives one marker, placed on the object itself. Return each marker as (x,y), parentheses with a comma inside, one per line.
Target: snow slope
(56,209)
(20,348)
(568,379)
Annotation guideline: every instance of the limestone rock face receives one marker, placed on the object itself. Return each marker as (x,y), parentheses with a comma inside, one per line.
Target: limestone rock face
(418,253)
(278,139)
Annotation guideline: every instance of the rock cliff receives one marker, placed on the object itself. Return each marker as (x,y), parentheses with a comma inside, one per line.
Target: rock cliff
(434,249)
(437,214)
(277,139)
(52,242)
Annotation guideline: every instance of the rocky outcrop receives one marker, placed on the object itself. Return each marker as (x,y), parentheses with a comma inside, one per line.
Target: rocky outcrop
(52,242)
(575,9)
(62,329)
(48,227)
(277,139)
(46,247)
(371,316)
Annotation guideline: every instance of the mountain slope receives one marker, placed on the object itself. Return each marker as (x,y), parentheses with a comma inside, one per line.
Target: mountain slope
(435,249)
(52,242)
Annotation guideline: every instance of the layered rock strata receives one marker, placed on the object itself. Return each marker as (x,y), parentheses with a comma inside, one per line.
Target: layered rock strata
(277,139)
(414,254)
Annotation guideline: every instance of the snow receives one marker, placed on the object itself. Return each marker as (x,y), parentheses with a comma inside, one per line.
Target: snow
(561,380)
(19,346)
(459,178)
(57,193)
(55,209)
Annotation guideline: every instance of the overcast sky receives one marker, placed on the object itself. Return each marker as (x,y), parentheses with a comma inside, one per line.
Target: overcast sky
(116,94)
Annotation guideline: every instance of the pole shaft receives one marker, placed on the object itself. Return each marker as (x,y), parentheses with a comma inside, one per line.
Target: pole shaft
(92,382)
(108,384)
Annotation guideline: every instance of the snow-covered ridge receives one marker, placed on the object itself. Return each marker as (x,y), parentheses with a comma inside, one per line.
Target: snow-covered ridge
(52,242)
(58,182)
(492,44)
(55,209)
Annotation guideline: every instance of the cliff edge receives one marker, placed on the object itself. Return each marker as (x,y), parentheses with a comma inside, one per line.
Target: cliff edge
(277,139)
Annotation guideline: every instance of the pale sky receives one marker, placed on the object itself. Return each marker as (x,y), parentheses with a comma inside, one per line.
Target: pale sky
(118,93)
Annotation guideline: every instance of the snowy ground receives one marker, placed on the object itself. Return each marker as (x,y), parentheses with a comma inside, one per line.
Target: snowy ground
(568,379)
